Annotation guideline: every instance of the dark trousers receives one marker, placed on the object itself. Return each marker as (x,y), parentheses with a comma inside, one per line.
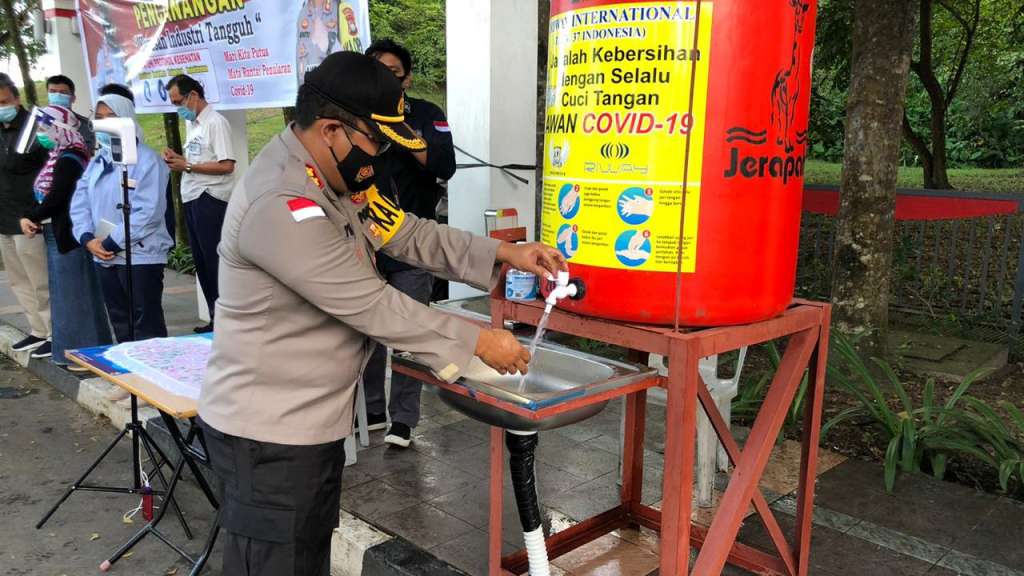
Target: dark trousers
(404,405)
(148,289)
(205,217)
(280,504)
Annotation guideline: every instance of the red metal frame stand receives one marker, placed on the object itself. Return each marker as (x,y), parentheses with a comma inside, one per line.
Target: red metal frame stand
(805,324)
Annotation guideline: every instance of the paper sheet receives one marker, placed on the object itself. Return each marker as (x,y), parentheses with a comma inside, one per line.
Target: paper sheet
(174,364)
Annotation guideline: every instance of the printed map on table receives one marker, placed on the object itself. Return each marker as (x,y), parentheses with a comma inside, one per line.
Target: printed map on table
(174,364)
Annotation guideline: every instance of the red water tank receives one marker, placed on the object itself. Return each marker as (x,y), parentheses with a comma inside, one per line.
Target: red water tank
(647,99)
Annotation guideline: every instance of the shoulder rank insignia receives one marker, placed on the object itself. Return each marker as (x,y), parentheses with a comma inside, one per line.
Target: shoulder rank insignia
(358,197)
(314,177)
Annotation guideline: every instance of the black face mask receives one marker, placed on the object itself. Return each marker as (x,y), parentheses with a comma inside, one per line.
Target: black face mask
(356,168)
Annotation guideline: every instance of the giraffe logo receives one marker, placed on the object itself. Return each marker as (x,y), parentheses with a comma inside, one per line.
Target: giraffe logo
(786,92)
(786,89)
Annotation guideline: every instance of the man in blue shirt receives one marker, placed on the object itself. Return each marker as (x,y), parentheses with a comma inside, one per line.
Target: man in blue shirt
(99,226)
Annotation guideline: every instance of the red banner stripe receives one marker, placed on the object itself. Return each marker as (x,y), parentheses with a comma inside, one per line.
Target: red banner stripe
(917,208)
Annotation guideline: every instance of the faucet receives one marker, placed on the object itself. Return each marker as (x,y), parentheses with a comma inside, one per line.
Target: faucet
(563,289)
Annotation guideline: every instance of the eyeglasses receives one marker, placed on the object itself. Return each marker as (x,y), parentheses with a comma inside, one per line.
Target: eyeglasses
(382,146)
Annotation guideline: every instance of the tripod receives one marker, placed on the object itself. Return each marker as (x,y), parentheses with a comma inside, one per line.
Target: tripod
(141,440)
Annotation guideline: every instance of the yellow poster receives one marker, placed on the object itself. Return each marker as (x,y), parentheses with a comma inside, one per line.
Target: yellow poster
(616,127)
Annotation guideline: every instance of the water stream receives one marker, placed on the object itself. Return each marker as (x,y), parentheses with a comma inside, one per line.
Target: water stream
(533,345)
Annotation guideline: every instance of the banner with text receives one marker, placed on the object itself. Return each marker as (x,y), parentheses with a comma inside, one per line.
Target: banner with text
(246,53)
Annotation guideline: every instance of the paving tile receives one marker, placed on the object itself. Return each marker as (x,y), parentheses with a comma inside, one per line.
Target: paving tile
(936,511)
(585,462)
(553,445)
(451,417)
(588,499)
(475,460)
(426,526)
(375,500)
(471,427)
(609,556)
(836,553)
(472,504)
(551,480)
(654,478)
(581,431)
(430,479)
(992,537)
(643,537)
(385,459)
(469,552)
(350,477)
(899,542)
(444,441)
(603,442)
(782,472)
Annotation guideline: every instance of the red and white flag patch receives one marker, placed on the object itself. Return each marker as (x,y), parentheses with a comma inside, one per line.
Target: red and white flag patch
(304,209)
(441,126)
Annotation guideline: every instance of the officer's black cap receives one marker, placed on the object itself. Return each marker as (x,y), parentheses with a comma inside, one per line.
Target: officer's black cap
(366,88)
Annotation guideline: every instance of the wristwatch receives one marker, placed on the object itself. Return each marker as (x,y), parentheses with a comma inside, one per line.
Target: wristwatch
(188,168)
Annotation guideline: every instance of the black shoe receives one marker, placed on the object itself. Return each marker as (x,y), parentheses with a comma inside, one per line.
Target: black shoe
(399,435)
(29,343)
(376,422)
(203,329)
(44,350)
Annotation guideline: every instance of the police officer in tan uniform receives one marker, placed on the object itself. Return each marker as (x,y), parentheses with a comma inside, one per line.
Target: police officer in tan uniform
(300,299)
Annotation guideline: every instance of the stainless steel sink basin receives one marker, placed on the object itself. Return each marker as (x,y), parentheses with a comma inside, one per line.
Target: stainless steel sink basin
(557,375)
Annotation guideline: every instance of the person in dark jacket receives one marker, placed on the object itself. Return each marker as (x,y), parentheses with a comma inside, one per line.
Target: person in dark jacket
(412,177)
(60,91)
(24,258)
(76,302)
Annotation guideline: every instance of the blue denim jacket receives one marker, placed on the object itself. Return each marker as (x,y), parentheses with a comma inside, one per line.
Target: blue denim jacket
(97,198)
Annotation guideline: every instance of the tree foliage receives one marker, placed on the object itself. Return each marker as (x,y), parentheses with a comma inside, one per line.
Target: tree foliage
(984,124)
(17,40)
(419,25)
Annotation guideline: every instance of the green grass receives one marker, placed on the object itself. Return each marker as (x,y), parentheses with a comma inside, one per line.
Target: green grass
(262,125)
(1009,180)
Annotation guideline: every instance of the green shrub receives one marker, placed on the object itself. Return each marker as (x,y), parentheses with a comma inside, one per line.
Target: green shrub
(931,431)
(180,260)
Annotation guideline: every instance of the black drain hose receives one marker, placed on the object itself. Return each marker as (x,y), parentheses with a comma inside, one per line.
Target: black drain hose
(521,448)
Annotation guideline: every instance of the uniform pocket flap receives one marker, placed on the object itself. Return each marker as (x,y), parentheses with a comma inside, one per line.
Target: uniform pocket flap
(267,524)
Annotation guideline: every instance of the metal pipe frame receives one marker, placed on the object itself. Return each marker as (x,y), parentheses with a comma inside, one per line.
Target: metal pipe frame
(805,324)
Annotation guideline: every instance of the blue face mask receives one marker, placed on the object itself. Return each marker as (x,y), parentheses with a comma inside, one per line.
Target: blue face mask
(104,140)
(186,114)
(8,113)
(59,99)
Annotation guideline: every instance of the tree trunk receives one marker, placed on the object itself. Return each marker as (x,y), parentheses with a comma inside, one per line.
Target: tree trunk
(939,176)
(543,19)
(934,163)
(172,132)
(19,51)
(883,41)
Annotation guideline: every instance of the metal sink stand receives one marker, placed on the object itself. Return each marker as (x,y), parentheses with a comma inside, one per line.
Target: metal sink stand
(806,324)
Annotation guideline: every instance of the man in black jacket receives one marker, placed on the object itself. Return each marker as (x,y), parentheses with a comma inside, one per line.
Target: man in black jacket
(413,177)
(24,258)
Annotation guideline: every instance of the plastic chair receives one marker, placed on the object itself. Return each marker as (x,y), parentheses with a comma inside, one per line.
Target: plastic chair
(711,454)
(360,426)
